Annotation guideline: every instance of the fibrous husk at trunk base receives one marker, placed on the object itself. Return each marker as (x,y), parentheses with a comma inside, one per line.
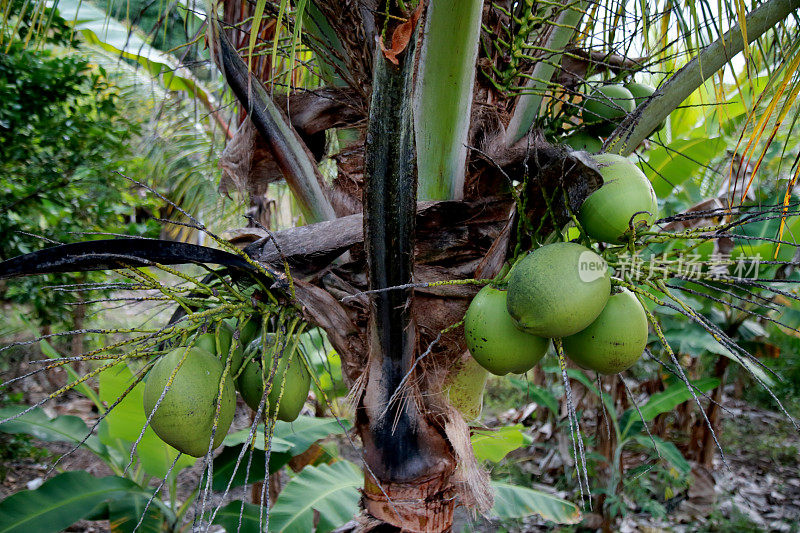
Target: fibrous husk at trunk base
(470,479)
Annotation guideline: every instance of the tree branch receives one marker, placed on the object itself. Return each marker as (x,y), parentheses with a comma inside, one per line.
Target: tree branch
(646,118)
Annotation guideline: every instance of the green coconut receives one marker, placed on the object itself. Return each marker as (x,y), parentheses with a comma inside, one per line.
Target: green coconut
(464,387)
(613,342)
(580,140)
(208,341)
(605,107)
(558,289)
(221,347)
(185,417)
(247,333)
(626,198)
(493,340)
(295,380)
(641,92)
(250,330)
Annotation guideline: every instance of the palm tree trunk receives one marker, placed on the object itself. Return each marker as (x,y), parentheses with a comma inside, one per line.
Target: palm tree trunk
(408,463)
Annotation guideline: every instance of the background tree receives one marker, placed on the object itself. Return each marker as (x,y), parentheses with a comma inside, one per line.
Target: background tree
(62,137)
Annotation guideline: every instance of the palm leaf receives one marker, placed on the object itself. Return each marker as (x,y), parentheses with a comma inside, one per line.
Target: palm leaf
(112,36)
(513,501)
(330,490)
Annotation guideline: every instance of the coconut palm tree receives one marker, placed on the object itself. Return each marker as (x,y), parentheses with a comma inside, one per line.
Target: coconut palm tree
(446,121)
(457,102)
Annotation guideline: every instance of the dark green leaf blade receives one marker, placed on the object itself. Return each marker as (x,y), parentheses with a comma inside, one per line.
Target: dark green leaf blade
(513,501)
(60,502)
(331,490)
(667,450)
(124,514)
(228,517)
(675,395)
(306,430)
(296,436)
(538,394)
(225,462)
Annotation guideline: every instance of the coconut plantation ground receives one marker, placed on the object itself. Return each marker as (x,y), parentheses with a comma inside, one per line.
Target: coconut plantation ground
(760,492)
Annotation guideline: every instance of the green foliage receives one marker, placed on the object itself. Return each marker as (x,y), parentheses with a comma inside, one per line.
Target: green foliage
(512,501)
(330,490)
(288,440)
(319,498)
(59,149)
(496,444)
(169,26)
(61,139)
(124,514)
(62,501)
(326,365)
(16,446)
(128,495)
(786,364)
(240,516)
(63,428)
(649,488)
(631,421)
(128,491)
(538,394)
(670,165)
(665,473)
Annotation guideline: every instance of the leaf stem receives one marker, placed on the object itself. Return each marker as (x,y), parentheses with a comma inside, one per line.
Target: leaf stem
(527,108)
(295,161)
(444,90)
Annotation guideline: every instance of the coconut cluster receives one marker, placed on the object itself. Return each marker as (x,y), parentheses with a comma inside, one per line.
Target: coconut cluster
(563,290)
(182,389)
